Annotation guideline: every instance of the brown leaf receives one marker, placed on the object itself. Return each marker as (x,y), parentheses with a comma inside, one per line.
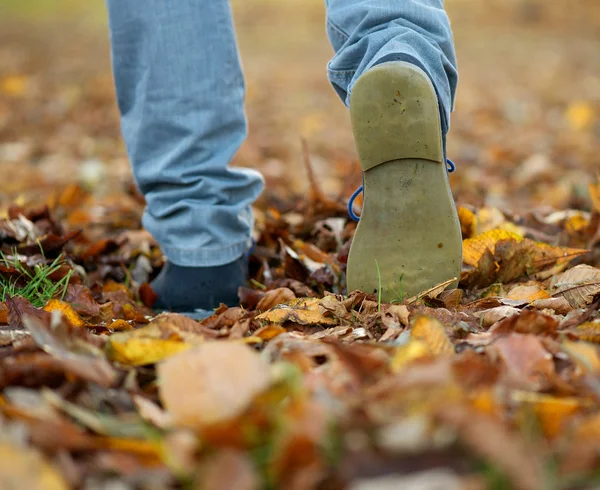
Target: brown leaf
(275,297)
(228,468)
(527,362)
(578,285)
(304,311)
(147,295)
(203,386)
(76,355)
(501,256)
(527,321)
(494,442)
(18,307)
(81,299)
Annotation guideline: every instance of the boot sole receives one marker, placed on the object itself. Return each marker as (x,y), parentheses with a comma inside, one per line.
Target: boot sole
(408,238)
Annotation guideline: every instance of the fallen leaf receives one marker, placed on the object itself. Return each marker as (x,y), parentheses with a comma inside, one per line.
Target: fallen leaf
(76,355)
(578,285)
(494,442)
(526,360)
(493,315)
(589,331)
(140,351)
(498,256)
(432,333)
(552,412)
(303,311)
(275,297)
(467,222)
(24,468)
(474,248)
(81,300)
(585,355)
(405,354)
(529,292)
(227,469)
(203,387)
(580,115)
(67,312)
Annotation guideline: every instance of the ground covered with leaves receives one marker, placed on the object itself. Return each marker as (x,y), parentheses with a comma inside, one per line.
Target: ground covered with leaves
(305,385)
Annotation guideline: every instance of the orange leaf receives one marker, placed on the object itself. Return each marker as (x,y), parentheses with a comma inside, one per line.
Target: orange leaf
(65,308)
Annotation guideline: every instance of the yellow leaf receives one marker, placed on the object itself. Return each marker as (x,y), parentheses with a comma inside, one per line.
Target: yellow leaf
(432,333)
(304,311)
(589,331)
(25,468)
(467,222)
(585,355)
(139,351)
(589,428)
(212,383)
(269,332)
(529,292)
(65,308)
(15,85)
(474,248)
(484,400)
(551,411)
(580,115)
(405,354)
(120,325)
(576,223)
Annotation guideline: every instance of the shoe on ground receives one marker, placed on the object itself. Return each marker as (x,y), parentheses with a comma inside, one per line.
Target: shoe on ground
(196,291)
(408,238)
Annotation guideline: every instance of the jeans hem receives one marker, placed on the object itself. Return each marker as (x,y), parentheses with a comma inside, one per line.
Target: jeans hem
(206,257)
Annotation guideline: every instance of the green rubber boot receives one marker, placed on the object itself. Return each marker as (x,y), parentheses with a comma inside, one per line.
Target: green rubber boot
(408,238)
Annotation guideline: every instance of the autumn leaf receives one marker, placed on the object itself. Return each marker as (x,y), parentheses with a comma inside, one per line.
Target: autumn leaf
(502,256)
(67,312)
(552,412)
(303,311)
(431,332)
(140,351)
(25,468)
(196,394)
(578,285)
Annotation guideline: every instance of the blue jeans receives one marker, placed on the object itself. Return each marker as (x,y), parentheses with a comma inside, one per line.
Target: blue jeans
(180,90)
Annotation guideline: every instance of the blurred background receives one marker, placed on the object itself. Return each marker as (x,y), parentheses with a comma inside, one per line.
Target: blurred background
(525,133)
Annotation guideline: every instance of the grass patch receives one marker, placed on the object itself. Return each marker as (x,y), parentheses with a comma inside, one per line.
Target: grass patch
(34,284)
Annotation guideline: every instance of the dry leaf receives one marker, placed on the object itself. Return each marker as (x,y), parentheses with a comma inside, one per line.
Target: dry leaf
(140,351)
(303,311)
(67,312)
(275,297)
(432,333)
(499,256)
(585,355)
(24,468)
(203,386)
(578,285)
(526,360)
(228,469)
(552,412)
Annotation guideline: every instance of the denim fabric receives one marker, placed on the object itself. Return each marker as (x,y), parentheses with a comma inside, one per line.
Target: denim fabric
(180,91)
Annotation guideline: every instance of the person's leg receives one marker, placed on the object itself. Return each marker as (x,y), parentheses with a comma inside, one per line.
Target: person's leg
(180,90)
(366,33)
(395,68)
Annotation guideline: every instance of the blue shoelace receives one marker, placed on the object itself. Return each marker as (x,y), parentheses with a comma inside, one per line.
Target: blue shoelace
(449,164)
